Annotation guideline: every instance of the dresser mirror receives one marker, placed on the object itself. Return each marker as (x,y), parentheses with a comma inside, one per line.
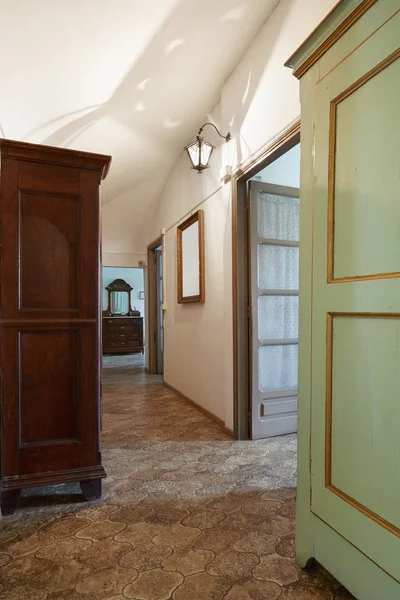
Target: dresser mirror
(119,299)
(190,244)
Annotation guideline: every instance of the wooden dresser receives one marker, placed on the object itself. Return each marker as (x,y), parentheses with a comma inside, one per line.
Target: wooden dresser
(49,319)
(122,335)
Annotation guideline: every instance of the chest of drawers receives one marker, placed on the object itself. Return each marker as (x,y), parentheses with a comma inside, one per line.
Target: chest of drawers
(122,335)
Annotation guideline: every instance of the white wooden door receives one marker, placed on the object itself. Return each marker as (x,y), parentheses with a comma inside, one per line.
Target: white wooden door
(274,270)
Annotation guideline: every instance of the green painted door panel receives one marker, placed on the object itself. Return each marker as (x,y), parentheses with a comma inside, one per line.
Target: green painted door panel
(355,362)
(365,413)
(364,209)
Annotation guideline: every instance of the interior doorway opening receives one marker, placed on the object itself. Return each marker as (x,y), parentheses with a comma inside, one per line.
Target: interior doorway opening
(155,314)
(123,303)
(266,286)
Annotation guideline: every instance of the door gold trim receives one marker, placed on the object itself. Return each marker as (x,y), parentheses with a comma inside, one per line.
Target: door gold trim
(328,417)
(332,172)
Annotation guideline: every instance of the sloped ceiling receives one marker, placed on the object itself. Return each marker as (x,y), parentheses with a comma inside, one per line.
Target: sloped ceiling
(130,78)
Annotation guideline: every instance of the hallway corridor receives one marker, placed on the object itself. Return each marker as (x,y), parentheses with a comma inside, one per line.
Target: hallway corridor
(186,513)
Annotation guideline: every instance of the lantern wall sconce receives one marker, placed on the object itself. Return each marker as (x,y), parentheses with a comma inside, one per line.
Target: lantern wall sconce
(199,152)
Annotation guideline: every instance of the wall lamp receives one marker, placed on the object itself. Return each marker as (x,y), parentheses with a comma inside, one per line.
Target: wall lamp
(200,151)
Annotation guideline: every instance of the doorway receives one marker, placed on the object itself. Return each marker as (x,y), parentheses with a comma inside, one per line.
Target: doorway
(265,290)
(155,308)
(123,317)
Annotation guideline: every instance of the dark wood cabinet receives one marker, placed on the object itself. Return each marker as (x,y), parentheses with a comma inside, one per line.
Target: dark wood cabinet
(49,318)
(122,335)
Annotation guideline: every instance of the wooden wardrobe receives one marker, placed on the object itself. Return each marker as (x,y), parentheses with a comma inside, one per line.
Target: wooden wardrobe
(50,318)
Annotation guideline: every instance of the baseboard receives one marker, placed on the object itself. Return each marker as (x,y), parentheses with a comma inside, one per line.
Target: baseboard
(206,412)
(18,482)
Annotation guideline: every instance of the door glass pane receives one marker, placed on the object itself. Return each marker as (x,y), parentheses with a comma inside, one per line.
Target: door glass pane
(278,267)
(278,217)
(278,317)
(277,366)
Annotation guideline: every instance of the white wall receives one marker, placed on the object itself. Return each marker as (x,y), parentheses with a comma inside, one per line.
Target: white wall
(259,100)
(132,276)
(283,171)
(198,337)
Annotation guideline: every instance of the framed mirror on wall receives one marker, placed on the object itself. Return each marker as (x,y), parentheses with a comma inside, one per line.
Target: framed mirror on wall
(190,244)
(119,300)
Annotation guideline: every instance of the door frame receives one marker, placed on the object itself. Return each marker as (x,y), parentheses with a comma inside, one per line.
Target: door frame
(242,352)
(152,303)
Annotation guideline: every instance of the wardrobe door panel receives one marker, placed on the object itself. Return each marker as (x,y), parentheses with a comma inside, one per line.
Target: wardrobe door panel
(48,247)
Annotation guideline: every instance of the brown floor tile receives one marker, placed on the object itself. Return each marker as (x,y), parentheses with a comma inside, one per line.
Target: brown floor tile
(300,591)
(154,585)
(104,553)
(258,543)
(217,540)
(61,576)
(278,569)
(68,595)
(203,519)
(139,533)
(21,570)
(66,527)
(106,583)
(131,514)
(202,586)
(146,557)
(23,592)
(63,549)
(286,546)
(177,535)
(188,560)
(250,589)
(30,544)
(186,513)
(5,559)
(235,565)
(167,516)
(100,530)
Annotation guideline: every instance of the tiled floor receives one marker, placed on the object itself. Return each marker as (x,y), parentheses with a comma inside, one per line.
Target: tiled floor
(187,513)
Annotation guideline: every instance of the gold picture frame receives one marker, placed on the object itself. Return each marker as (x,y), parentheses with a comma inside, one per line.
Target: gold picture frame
(190,259)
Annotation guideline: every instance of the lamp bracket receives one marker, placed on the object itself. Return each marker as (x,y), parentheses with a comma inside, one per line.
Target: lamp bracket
(226,137)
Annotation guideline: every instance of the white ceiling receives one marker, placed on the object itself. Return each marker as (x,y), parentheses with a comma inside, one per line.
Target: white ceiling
(130,78)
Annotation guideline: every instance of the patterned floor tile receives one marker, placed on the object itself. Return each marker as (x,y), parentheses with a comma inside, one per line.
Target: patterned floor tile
(104,553)
(154,585)
(188,560)
(146,557)
(249,589)
(202,586)
(106,583)
(233,564)
(186,513)
(62,576)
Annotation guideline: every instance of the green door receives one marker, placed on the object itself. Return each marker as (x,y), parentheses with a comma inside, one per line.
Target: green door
(355,440)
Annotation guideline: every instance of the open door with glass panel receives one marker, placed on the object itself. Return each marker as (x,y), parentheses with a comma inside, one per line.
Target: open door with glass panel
(274,273)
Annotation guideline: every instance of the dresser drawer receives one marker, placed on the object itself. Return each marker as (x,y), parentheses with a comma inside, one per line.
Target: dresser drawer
(122,334)
(118,333)
(131,339)
(117,324)
(123,346)
(118,344)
